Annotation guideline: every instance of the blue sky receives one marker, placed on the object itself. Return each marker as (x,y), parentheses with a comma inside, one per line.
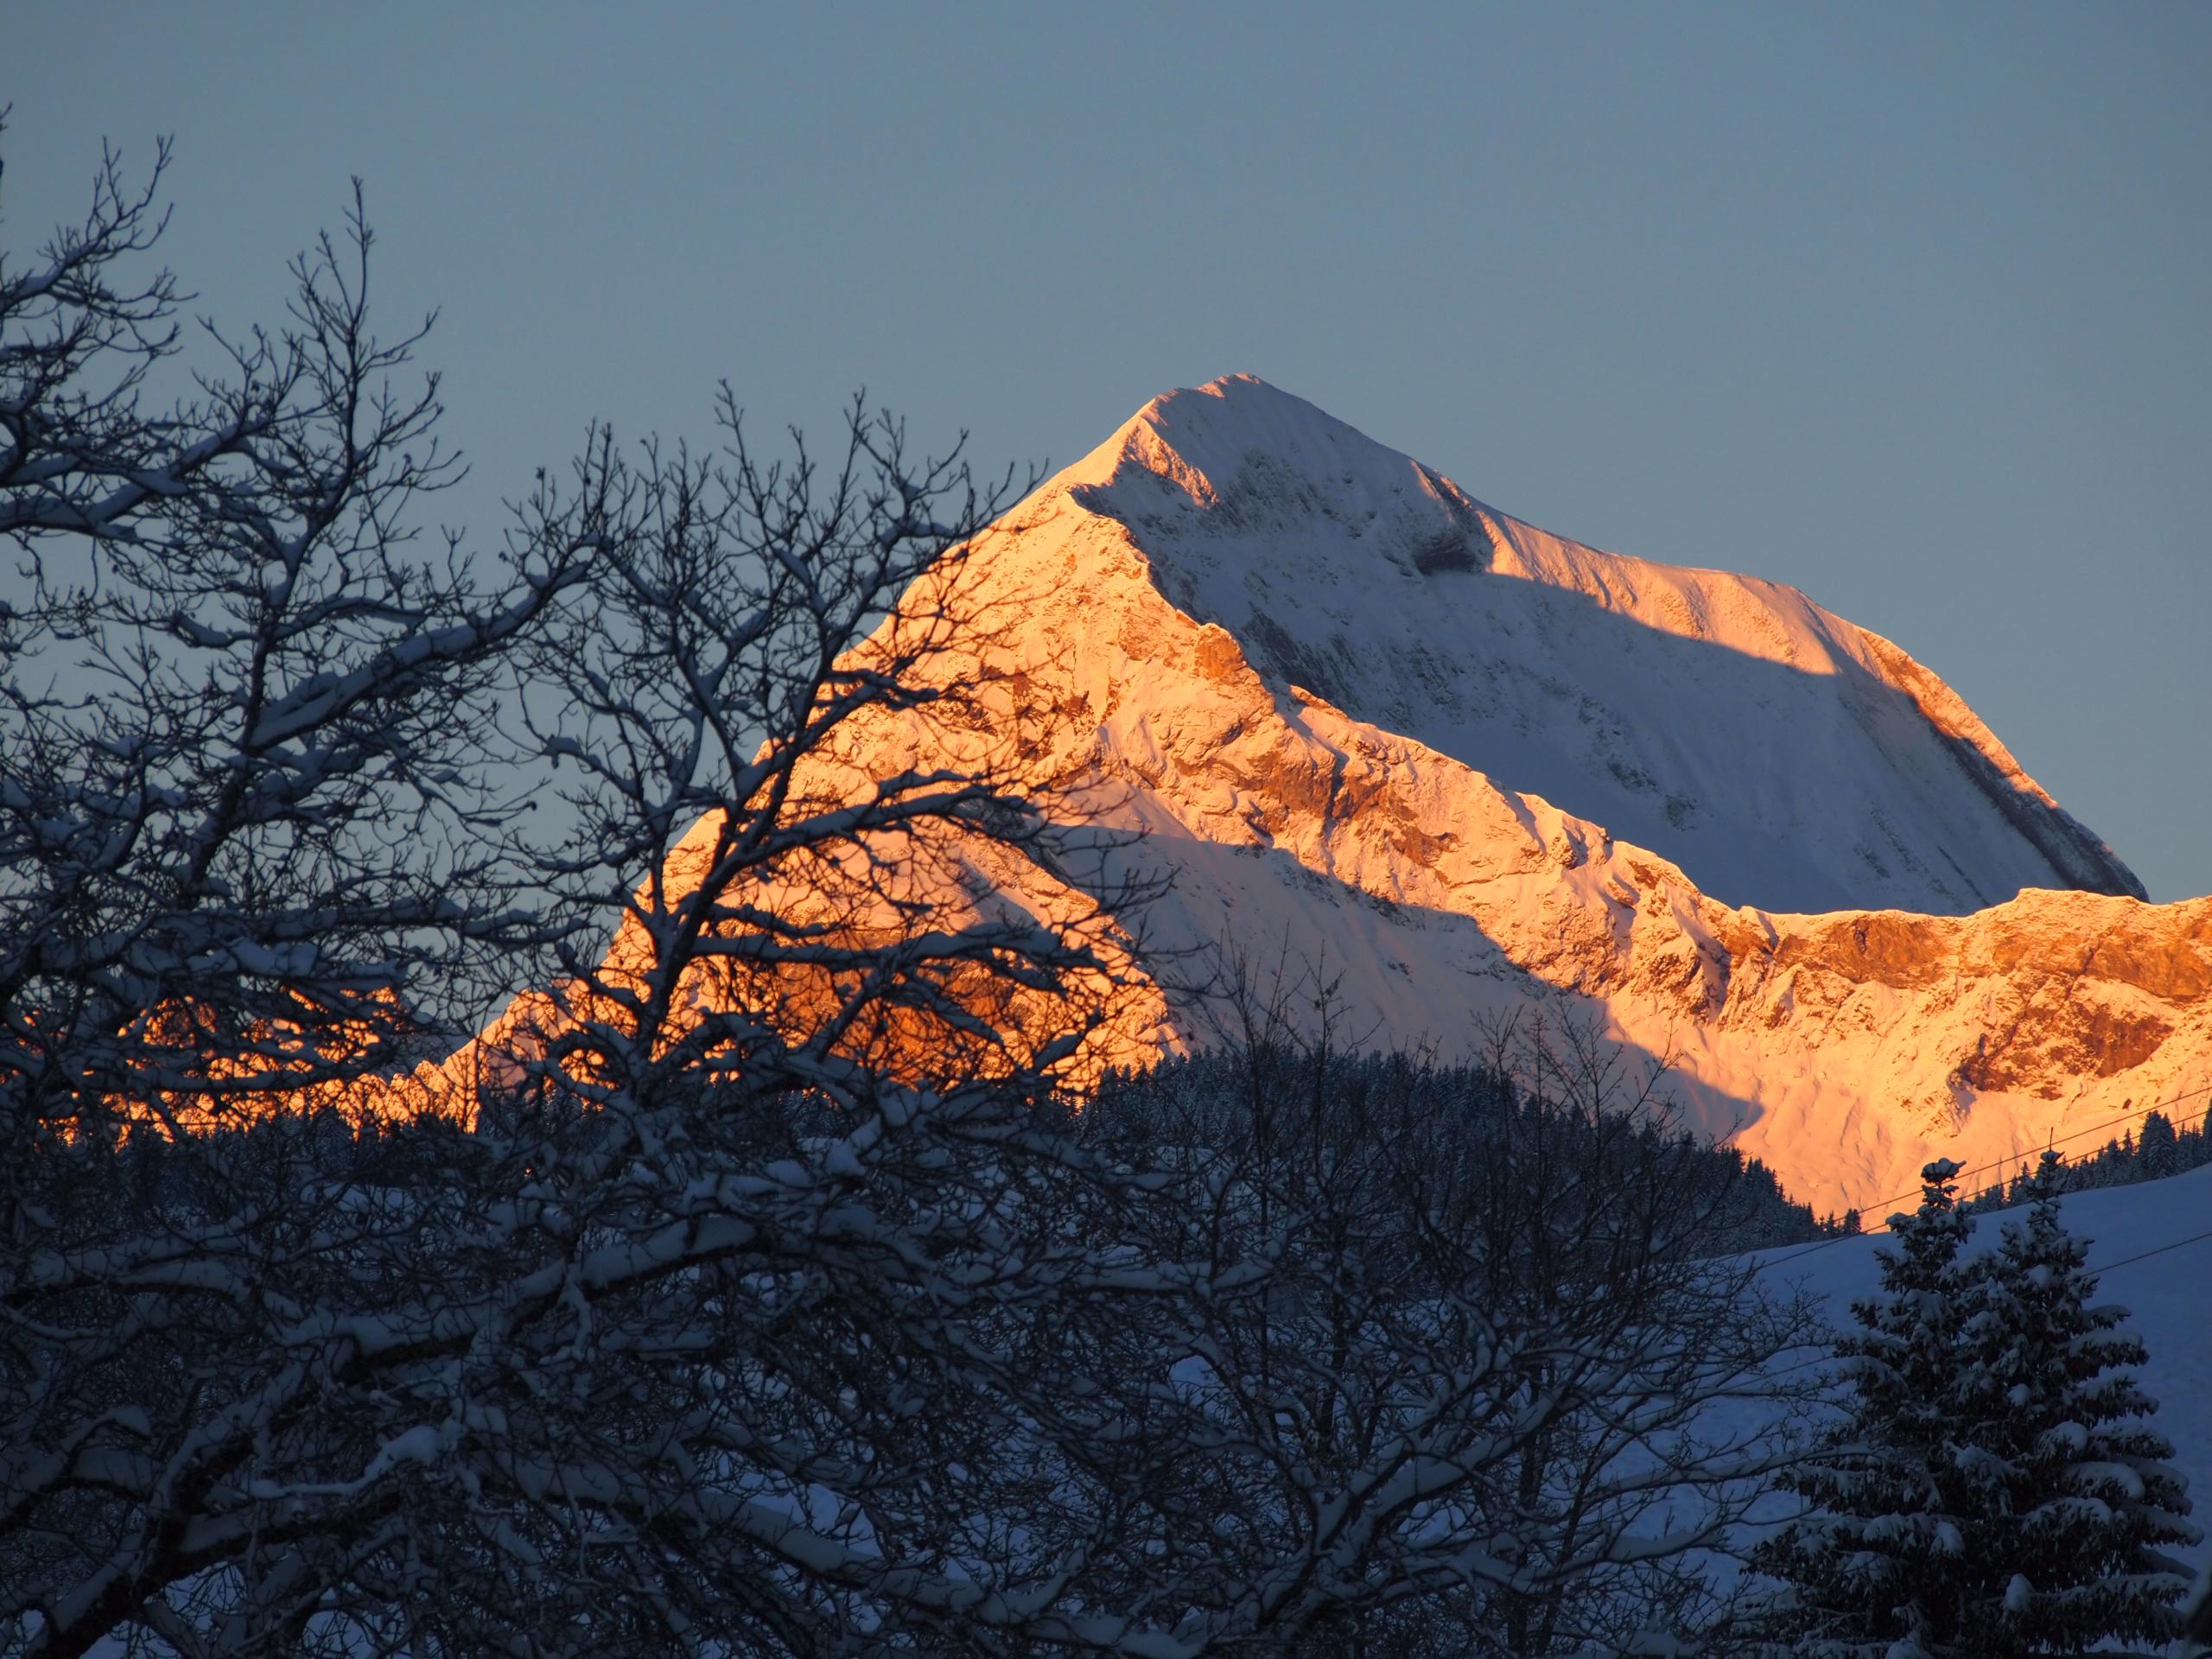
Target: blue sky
(1910,305)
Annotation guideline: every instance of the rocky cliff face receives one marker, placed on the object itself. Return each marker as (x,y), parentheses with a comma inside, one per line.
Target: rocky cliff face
(1327,684)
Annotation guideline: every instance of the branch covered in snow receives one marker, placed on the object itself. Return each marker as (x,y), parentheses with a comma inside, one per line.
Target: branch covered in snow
(247,718)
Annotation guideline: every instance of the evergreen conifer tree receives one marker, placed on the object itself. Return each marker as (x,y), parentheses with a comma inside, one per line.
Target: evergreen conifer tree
(1994,1488)
(1878,1569)
(2159,1151)
(2077,1498)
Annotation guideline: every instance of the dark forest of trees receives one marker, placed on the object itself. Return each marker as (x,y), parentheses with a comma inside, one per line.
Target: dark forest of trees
(2158,1151)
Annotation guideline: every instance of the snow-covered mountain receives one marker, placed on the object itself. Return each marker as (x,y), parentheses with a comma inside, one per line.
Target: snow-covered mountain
(1467,768)
(1474,767)
(1780,755)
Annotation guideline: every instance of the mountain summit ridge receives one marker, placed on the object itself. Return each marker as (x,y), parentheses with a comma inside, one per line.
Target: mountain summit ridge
(1714,717)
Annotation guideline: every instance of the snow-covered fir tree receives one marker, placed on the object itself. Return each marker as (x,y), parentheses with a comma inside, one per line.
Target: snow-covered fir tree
(1993,1487)
(2078,1497)
(1879,1568)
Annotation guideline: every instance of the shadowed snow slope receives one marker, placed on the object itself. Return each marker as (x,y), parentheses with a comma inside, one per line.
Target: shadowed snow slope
(1470,768)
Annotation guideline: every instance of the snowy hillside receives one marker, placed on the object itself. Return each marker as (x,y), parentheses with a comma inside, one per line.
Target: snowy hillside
(2165,1292)
(1780,755)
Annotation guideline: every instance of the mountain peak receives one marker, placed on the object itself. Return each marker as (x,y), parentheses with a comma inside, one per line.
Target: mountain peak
(1537,775)
(1238,456)
(1784,757)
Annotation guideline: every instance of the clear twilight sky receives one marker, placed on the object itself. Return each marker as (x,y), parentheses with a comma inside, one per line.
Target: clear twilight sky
(1910,305)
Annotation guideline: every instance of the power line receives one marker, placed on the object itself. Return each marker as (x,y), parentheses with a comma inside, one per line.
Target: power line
(2094,1272)
(2093,1128)
(1819,1359)
(2145,1255)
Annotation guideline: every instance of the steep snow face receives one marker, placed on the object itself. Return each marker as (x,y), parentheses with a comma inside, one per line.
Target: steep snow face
(1780,755)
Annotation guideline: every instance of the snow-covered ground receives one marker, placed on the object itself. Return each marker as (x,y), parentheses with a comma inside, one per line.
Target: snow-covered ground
(2168,1293)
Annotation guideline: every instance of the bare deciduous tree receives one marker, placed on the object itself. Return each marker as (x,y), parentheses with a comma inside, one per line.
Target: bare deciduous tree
(1496,1392)
(592,1377)
(247,745)
(753,1287)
